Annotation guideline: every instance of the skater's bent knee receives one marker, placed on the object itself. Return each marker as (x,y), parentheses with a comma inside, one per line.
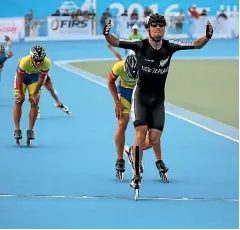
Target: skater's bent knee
(154,136)
(153,141)
(19,103)
(33,104)
(141,130)
(122,124)
(141,133)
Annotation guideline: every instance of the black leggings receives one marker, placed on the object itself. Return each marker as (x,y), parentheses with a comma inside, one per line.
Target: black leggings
(147,110)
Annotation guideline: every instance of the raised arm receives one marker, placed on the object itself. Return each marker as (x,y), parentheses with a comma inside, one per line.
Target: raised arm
(201,42)
(111,38)
(197,44)
(9,53)
(116,42)
(8,40)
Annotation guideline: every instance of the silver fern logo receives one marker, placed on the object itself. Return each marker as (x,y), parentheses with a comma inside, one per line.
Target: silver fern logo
(163,62)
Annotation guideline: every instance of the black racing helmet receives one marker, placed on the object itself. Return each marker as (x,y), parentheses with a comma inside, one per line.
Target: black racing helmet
(155,19)
(37,53)
(130,67)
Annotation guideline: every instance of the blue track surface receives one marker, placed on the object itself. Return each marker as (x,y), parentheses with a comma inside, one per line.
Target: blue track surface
(75,156)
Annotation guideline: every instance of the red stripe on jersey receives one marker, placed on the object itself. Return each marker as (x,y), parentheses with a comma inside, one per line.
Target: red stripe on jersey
(112,77)
(20,72)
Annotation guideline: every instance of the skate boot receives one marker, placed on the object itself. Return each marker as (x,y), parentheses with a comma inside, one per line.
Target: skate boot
(120,169)
(64,108)
(162,170)
(18,137)
(30,137)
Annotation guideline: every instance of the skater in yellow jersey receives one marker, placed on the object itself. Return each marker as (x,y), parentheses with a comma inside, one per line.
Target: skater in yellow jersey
(30,75)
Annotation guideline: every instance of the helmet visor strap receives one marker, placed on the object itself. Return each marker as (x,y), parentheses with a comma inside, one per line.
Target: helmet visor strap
(159,23)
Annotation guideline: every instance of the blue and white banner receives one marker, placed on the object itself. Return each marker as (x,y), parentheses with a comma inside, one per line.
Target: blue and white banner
(222,28)
(13,27)
(124,26)
(66,26)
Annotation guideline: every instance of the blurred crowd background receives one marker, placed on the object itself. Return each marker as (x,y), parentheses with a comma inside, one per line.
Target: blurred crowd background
(86,18)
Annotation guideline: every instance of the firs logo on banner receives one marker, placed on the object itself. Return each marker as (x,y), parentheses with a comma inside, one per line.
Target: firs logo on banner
(63,23)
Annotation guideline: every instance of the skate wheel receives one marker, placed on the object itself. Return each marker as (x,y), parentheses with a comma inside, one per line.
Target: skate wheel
(136,193)
(18,142)
(29,142)
(164,177)
(120,176)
